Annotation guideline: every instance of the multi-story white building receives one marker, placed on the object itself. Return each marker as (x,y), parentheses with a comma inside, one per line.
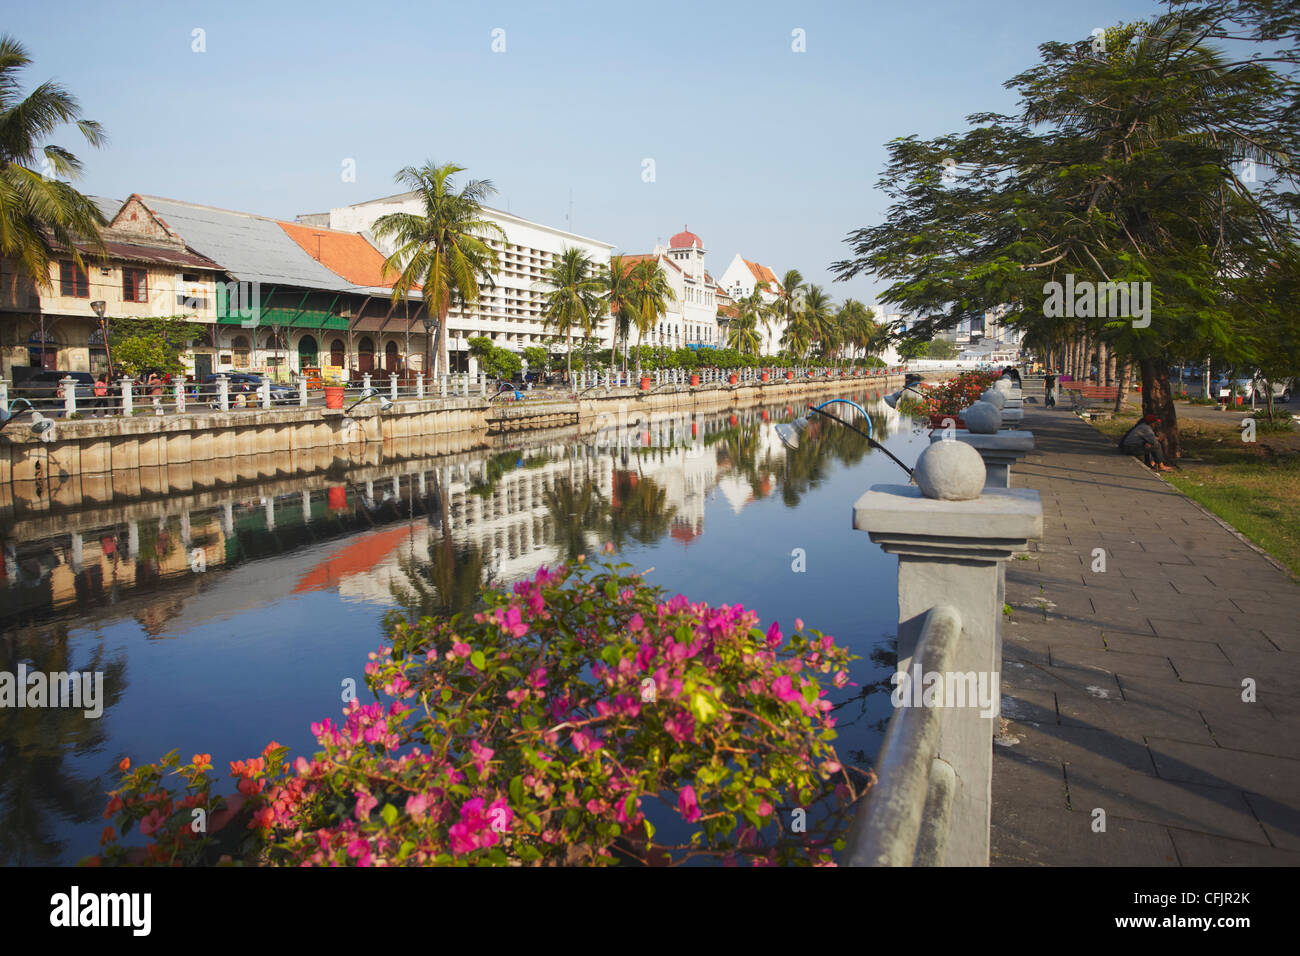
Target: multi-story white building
(739,280)
(691,319)
(510,313)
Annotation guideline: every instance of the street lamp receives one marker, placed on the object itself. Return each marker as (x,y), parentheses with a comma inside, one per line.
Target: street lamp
(99,305)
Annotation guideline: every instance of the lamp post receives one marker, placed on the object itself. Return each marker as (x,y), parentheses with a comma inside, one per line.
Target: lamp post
(429,323)
(99,305)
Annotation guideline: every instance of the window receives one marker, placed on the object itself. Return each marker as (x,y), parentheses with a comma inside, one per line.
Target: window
(193,293)
(240,346)
(73,281)
(135,285)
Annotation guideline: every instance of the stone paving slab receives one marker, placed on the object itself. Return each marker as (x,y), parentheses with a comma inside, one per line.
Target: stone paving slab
(1123,690)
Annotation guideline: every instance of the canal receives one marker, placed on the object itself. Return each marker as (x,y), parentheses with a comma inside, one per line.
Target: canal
(222,623)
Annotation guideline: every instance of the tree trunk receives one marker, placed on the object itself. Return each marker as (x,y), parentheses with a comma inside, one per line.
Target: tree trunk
(1158,399)
(1121,379)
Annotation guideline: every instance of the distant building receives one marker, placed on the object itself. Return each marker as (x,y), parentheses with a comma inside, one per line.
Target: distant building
(691,319)
(510,309)
(739,280)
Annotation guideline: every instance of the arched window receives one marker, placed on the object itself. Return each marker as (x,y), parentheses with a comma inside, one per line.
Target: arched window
(337,353)
(308,356)
(366,354)
(240,347)
(391,363)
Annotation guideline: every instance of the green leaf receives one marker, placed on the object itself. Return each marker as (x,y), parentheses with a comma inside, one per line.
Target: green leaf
(389,813)
(478,660)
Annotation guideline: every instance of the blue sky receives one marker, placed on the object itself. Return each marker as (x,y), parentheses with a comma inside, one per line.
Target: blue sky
(761,150)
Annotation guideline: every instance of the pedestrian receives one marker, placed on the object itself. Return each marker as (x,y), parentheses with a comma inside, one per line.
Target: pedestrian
(155,386)
(1142,440)
(101,394)
(1049,390)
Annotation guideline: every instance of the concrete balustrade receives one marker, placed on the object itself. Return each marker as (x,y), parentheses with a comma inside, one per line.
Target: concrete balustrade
(952,534)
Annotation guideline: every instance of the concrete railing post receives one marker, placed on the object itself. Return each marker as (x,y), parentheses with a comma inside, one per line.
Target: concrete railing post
(365,381)
(442,385)
(128,405)
(264,391)
(4,395)
(223,393)
(951,535)
(180,398)
(69,386)
(392,386)
(419,387)
(302,393)
(482,383)
(999,447)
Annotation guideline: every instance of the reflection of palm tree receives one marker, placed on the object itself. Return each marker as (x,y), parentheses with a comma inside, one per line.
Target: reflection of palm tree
(576,510)
(452,578)
(641,512)
(36,788)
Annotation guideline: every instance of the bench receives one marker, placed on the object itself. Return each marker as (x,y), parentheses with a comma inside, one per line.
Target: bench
(1087,397)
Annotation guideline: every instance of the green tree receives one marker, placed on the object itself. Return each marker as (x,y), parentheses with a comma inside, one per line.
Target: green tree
(151,344)
(40,218)
(787,309)
(573,300)
(446,248)
(619,292)
(653,294)
(940,349)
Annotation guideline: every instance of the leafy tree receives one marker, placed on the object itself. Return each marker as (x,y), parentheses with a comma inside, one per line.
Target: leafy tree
(445,250)
(940,349)
(151,344)
(653,293)
(619,291)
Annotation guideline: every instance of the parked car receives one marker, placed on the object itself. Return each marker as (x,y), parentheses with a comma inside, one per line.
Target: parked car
(42,388)
(247,384)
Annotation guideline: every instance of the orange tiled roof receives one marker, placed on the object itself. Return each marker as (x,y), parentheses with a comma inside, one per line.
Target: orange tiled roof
(632,258)
(347,254)
(763,274)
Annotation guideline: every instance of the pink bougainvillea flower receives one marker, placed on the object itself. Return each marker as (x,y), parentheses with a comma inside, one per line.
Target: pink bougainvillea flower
(774,634)
(798,624)
(783,689)
(152,822)
(511,622)
(365,803)
(687,804)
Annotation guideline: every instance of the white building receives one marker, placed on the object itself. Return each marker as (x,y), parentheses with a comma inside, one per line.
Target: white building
(511,313)
(691,319)
(739,280)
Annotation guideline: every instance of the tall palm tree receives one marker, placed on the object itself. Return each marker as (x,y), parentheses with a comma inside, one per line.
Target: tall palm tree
(446,249)
(40,218)
(574,297)
(620,299)
(788,304)
(653,293)
(819,314)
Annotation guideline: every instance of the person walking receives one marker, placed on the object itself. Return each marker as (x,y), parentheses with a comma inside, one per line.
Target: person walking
(1049,390)
(101,394)
(1142,440)
(155,386)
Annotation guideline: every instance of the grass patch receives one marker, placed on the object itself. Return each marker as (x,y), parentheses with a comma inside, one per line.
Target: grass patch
(1254,486)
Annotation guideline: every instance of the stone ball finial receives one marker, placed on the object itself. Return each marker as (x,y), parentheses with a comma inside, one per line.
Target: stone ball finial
(982,418)
(950,471)
(1004,385)
(994,398)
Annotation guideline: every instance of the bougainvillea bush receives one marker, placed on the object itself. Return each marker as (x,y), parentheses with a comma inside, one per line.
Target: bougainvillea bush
(541,731)
(950,397)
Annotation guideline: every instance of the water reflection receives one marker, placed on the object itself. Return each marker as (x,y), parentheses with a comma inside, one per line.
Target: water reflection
(255,601)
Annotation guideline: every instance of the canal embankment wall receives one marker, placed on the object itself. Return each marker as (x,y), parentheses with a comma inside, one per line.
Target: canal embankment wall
(93,461)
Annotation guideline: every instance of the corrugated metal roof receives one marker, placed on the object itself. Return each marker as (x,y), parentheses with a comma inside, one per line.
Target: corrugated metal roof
(251,248)
(108,207)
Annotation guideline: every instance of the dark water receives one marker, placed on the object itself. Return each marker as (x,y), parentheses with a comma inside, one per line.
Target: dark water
(237,621)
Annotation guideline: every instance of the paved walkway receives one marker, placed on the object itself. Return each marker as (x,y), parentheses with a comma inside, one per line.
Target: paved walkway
(1122,688)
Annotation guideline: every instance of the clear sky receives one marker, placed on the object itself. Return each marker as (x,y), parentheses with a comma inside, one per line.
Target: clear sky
(761,150)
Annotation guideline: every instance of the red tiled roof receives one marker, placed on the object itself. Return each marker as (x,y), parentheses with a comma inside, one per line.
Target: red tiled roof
(346,254)
(685,240)
(631,259)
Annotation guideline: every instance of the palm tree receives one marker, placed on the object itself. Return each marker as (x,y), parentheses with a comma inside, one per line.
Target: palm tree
(653,293)
(574,299)
(818,313)
(40,218)
(446,250)
(750,311)
(619,291)
(789,301)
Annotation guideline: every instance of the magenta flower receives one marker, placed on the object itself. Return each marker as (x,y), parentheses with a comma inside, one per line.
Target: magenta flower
(774,637)
(687,804)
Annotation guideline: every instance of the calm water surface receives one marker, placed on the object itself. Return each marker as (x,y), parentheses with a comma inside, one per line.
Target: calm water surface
(236,621)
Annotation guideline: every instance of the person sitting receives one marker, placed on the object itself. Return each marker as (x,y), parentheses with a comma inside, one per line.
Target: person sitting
(1142,440)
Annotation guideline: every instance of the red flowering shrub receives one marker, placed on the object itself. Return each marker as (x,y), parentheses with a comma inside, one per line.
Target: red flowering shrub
(538,732)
